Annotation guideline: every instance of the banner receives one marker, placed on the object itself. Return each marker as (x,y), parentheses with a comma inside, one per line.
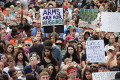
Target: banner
(104,75)
(110,22)
(95,51)
(53,16)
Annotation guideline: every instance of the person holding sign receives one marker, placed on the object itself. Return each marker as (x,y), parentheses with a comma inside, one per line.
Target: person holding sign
(111,58)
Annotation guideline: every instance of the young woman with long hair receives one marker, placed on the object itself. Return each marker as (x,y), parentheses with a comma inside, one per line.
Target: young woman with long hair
(48,58)
(21,60)
(72,54)
(10,50)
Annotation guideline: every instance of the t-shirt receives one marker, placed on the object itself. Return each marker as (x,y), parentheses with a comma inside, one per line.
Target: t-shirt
(53,61)
(7,69)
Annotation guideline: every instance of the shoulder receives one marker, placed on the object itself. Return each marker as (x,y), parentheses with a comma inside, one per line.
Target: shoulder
(31,47)
(40,44)
(17,68)
(6,69)
(78,79)
(27,67)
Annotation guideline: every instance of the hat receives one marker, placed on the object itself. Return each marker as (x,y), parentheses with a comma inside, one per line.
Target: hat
(69,26)
(76,9)
(31,3)
(12,6)
(34,20)
(14,32)
(39,0)
(65,7)
(72,40)
(68,37)
(79,5)
(58,41)
(13,24)
(27,27)
(111,48)
(18,2)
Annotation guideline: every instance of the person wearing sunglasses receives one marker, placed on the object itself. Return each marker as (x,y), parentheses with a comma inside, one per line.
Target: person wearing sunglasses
(3,28)
(27,45)
(21,42)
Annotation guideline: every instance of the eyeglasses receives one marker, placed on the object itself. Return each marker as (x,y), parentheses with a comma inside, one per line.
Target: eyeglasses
(81,37)
(27,44)
(18,17)
(93,66)
(118,7)
(10,61)
(35,41)
(21,42)
(39,23)
(79,47)
(2,28)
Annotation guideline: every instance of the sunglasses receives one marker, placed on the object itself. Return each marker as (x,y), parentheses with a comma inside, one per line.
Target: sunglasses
(2,28)
(58,43)
(39,23)
(21,42)
(93,66)
(79,47)
(35,41)
(27,44)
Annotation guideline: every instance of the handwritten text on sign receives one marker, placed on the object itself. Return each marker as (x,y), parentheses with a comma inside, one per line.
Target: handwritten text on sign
(104,75)
(50,17)
(95,51)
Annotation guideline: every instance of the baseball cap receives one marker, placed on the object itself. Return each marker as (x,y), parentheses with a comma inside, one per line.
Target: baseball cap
(72,40)
(18,2)
(65,7)
(69,26)
(68,37)
(111,48)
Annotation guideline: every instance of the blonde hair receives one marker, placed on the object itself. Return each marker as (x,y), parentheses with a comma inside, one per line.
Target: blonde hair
(67,59)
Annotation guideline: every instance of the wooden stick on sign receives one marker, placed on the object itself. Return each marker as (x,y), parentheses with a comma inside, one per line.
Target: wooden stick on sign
(54,32)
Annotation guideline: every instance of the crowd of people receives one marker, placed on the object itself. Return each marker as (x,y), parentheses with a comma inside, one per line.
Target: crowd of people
(28,53)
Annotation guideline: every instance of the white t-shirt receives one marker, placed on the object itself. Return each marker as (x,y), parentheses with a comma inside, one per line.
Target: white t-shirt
(7,69)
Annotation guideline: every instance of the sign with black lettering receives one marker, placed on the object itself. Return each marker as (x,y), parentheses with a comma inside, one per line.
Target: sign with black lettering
(104,75)
(95,51)
(51,17)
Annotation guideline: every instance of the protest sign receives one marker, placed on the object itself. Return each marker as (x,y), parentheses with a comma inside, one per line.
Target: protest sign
(104,75)
(51,17)
(95,51)
(110,22)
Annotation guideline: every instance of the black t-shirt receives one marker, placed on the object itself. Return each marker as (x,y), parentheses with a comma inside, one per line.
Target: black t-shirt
(53,61)
(84,58)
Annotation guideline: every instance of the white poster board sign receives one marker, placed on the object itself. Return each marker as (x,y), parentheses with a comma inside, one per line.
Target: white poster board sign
(53,16)
(110,22)
(95,51)
(104,75)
